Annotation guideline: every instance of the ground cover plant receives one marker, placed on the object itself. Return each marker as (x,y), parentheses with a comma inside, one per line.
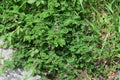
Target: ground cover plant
(62,38)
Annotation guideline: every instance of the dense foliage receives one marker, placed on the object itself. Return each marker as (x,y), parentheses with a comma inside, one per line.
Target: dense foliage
(57,38)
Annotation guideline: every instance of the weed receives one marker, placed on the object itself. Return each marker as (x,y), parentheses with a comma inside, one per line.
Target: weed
(61,37)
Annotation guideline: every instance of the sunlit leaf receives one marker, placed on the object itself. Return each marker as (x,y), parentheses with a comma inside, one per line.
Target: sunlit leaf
(31,1)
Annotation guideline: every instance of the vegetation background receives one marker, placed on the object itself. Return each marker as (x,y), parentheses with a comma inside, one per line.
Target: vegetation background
(62,38)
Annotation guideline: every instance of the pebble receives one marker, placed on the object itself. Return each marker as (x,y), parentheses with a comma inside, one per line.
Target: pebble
(16,74)
(19,74)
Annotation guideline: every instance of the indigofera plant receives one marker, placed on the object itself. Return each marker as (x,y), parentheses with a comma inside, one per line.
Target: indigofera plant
(60,38)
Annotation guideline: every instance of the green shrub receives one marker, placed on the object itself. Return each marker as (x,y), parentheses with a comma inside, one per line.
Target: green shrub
(62,37)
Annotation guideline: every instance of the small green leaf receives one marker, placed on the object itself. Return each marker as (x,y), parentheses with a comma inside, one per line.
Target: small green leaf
(2,37)
(118,55)
(81,65)
(37,3)
(72,48)
(31,1)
